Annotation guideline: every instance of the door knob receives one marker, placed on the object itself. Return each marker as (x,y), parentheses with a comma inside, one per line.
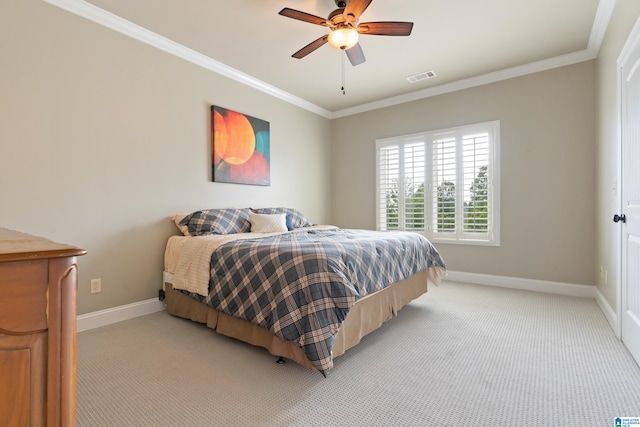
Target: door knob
(618,218)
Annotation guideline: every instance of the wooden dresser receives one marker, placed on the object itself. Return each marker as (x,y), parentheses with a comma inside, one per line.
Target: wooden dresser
(38,283)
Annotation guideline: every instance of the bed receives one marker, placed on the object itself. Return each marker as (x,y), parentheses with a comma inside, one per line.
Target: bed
(304,292)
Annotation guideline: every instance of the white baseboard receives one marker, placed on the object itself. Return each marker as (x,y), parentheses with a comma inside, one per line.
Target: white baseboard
(125,312)
(569,289)
(608,312)
(118,314)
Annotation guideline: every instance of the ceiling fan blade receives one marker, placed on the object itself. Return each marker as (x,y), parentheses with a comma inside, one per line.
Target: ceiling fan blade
(355,54)
(303,16)
(311,47)
(356,8)
(388,28)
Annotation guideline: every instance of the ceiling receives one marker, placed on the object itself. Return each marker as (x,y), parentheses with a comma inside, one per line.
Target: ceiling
(461,41)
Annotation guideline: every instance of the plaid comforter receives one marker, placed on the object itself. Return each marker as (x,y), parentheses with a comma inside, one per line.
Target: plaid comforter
(301,285)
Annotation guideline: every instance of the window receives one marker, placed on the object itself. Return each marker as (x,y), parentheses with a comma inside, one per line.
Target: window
(442,183)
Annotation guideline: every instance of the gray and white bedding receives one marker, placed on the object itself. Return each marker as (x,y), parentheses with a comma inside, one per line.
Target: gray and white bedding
(300,284)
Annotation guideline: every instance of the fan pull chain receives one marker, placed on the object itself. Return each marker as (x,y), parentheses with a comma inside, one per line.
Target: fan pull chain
(344,54)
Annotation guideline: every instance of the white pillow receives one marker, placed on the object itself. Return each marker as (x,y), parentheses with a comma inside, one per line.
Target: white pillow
(267,223)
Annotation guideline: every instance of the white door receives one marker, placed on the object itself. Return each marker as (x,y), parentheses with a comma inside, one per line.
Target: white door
(629,218)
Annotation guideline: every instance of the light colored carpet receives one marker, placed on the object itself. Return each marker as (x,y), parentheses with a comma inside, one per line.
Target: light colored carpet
(461,355)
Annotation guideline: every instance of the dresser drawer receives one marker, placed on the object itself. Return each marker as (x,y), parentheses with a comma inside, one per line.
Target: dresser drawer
(23,296)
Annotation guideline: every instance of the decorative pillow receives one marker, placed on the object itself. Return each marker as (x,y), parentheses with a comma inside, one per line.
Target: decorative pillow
(295,219)
(267,223)
(217,221)
(289,222)
(177,219)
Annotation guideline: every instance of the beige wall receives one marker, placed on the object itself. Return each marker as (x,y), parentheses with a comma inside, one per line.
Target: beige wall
(104,138)
(624,18)
(547,168)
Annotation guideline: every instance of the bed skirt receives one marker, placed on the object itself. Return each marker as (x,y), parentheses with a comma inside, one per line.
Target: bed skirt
(367,315)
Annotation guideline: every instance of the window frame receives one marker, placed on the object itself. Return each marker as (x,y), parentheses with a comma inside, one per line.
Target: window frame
(489,238)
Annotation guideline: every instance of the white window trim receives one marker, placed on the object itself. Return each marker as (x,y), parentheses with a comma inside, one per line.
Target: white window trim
(464,238)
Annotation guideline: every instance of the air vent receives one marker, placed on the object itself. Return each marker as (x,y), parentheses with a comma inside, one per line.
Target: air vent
(421,76)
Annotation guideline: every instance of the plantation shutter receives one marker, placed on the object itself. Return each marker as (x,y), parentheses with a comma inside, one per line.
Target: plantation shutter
(414,185)
(444,183)
(475,163)
(388,179)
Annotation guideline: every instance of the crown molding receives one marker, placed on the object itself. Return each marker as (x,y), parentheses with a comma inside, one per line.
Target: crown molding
(121,25)
(509,73)
(128,28)
(598,31)
(600,24)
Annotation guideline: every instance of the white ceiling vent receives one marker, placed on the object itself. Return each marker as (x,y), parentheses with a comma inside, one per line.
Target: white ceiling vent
(421,76)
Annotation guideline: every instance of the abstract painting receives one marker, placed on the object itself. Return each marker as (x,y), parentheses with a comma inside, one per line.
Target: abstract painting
(239,148)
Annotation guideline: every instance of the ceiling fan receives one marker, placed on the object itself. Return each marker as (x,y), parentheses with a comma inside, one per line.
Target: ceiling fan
(345,28)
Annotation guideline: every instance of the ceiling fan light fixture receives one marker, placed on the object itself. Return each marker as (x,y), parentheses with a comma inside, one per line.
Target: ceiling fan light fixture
(343,38)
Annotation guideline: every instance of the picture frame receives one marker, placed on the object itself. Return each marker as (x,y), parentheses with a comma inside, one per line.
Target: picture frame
(240,148)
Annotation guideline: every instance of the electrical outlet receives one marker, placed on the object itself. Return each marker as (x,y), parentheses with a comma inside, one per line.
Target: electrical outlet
(96,286)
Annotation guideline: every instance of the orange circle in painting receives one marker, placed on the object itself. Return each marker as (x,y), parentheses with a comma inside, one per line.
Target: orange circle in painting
(233,136)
